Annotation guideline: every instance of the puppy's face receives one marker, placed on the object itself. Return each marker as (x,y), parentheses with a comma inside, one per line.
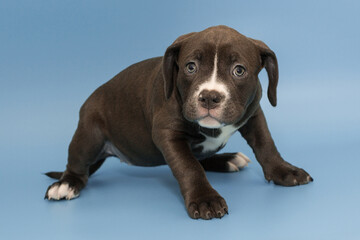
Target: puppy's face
(217,76)
(217,82)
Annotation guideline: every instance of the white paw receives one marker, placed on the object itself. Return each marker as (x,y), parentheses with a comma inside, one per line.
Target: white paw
(58,192)
(239,161)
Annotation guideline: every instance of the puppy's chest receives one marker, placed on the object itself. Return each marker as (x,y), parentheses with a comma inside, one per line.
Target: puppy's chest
(215,139)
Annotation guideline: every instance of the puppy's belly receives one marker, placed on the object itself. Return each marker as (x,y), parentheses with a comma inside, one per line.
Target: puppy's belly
(110,150)
(151,160)
(137,158)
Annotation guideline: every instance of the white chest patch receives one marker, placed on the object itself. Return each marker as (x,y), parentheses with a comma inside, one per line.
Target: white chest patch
(214,143)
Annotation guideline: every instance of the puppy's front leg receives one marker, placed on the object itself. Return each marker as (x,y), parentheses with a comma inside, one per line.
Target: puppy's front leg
(201,200)
(257,134)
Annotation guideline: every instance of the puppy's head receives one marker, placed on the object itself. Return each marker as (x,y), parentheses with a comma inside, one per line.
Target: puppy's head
(215,73)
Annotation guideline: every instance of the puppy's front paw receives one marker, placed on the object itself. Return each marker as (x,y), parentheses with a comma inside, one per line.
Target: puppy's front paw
(207,207)
(61,190)
(287,175)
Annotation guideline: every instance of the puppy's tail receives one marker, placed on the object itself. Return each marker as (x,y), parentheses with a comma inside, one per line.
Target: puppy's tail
(93,168)
(55,175)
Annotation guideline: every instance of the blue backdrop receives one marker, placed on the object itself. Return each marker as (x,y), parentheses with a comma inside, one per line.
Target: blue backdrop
(53,54)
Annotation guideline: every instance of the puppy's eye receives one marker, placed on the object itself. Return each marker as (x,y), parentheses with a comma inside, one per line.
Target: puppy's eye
(191,67)
(238,71)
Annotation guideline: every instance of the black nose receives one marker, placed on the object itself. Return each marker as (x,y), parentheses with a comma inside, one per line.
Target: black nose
(210,99)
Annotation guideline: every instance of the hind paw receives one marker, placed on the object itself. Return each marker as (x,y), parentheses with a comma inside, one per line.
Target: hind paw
(225,162)
(61,190)
(238,161)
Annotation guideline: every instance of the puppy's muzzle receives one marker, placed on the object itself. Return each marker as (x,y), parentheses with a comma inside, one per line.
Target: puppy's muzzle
(210,99)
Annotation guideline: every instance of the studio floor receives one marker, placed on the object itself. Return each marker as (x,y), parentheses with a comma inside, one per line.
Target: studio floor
(53,55)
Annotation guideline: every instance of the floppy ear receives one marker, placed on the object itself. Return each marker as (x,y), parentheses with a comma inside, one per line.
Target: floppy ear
(170,67)
(269,61)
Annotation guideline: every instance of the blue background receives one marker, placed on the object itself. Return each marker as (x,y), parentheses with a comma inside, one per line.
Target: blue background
(53,54)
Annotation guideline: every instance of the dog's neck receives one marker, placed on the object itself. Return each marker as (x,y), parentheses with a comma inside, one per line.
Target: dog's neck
(211,132)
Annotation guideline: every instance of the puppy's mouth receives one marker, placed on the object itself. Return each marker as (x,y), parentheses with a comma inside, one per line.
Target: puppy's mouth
(209,121)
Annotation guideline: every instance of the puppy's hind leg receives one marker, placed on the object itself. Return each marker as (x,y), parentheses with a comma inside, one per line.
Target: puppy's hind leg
(226,162)
(85,157)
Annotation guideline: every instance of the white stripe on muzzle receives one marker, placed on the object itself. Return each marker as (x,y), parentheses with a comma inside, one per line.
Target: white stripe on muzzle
(213,83)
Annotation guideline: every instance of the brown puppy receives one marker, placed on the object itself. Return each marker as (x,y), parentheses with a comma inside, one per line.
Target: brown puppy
(180,110)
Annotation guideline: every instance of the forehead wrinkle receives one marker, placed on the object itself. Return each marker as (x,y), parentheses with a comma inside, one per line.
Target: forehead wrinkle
(197,51)
(245,57)
(197,54)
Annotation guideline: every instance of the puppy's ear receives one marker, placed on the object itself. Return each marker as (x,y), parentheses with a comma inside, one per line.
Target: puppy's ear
(269,61)
(170,67)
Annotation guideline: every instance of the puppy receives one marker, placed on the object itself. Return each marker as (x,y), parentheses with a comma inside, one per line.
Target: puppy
(180,110)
